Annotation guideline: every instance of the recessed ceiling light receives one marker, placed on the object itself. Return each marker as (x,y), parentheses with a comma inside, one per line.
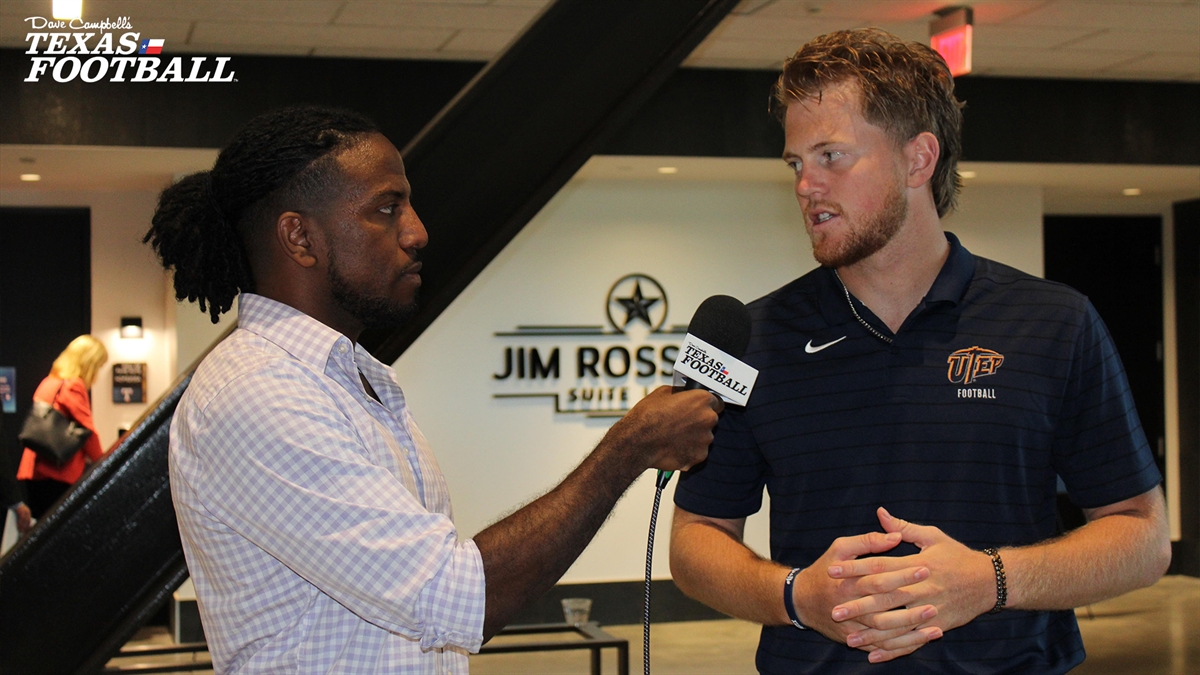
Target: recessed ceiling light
(31,177)
(65,10)
(966,174)
(668,169)
(1131,192)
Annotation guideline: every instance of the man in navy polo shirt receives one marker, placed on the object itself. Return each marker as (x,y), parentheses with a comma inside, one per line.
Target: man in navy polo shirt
(907,381)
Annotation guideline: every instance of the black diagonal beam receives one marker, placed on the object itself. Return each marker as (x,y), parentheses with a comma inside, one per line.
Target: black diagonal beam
(518,132)
(78,587)
(99,564)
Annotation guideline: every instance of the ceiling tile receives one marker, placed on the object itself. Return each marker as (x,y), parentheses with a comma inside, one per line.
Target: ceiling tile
(1027,37)
(914,31)
(173,31)
(1000,11)
(421,15)
(24,8)
(419,54)
(249,49)
(1027,61)
(765,52)
(1134,16)
(480,41)
(522,3)
(892,11)
(1174,42)
(1174,66)
(754,27)
(273,11)
(431,2)
(293,35)
(749,6)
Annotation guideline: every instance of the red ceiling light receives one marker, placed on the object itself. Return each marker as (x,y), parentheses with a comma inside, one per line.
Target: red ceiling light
(950,36)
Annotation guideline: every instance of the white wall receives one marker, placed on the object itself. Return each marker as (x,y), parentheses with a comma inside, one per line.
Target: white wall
(1001,222)
(126,281)
(696,238)
(194,330)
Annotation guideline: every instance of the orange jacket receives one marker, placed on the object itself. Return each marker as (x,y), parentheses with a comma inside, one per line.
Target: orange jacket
(73,402)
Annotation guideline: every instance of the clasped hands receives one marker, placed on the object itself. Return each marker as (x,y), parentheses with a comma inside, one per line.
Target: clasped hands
(892,606)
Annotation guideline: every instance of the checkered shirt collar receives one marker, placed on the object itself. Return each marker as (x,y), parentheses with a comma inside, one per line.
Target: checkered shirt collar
(297,333)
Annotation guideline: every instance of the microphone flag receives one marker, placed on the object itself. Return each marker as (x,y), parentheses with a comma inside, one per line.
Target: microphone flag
(715,370)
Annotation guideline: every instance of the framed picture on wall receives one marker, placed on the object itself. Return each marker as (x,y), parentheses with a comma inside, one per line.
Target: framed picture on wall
(8,389)
(129,383)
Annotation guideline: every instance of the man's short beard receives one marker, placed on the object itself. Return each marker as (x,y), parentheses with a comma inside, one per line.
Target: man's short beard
(863,242)
(373,311)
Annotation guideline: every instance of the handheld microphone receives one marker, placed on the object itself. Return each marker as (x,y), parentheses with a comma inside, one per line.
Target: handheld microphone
(710,356)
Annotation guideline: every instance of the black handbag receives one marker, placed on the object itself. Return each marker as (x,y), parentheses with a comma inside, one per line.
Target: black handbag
(51,434)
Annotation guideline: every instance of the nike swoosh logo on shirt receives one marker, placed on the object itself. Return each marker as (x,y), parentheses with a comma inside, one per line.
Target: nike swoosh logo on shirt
(813,350)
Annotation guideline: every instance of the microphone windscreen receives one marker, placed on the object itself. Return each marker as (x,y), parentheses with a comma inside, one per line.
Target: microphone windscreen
(723,322)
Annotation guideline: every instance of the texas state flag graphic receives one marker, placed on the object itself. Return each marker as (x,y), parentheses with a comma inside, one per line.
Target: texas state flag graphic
(151,46)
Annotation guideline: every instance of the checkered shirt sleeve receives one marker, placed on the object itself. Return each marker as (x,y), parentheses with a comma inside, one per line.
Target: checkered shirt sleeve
(316,524)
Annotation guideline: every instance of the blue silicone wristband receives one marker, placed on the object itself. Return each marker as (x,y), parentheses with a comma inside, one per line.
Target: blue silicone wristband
(787,599)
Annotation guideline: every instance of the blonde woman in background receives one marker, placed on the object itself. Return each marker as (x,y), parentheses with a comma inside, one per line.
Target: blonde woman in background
(66,387)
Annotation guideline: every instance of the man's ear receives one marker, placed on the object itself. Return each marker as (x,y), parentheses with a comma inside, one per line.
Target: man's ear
(294,233)
(922,154)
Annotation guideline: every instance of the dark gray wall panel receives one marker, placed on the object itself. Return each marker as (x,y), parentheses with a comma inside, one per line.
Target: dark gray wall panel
(698,112)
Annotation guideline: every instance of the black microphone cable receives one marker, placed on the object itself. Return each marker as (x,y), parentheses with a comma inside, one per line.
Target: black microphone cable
(664,477)
(724,322)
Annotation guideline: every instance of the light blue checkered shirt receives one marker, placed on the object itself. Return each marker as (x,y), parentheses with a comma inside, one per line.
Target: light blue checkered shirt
(315,521)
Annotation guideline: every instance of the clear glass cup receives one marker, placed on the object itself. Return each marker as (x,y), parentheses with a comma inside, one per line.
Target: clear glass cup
(576,610)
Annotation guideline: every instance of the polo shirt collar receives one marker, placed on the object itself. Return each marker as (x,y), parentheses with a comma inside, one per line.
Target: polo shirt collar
(297,333)
(949,286)
(958,270)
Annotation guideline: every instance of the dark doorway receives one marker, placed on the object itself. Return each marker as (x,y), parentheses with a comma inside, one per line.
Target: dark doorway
(45,301)
(1117,262)
(1186,554)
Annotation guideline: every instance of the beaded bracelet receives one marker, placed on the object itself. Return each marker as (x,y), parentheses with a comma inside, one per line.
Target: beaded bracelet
(1001,580)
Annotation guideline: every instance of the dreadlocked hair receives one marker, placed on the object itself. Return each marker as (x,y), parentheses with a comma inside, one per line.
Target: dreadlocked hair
(905,88)
(204,225)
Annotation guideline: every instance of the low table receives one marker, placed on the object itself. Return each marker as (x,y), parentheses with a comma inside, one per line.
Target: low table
(594,639)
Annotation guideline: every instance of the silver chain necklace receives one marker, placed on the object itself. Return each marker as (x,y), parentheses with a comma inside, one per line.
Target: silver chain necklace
(850,302)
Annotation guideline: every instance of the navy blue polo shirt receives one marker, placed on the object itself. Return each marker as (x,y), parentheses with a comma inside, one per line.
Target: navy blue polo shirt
(995,384)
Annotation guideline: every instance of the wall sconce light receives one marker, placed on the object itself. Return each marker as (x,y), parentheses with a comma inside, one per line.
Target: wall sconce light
(131,327)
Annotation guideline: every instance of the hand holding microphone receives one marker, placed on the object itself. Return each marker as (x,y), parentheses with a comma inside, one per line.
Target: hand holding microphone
(710,356)
(675,427)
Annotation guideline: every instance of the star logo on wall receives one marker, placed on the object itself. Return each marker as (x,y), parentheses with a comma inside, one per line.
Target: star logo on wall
(637,297)
(637,306)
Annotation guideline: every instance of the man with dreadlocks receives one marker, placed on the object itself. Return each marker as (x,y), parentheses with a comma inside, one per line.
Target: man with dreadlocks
(907,378)
(315,521)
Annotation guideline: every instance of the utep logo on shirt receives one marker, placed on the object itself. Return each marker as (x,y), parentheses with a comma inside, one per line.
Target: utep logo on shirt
(970,364)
